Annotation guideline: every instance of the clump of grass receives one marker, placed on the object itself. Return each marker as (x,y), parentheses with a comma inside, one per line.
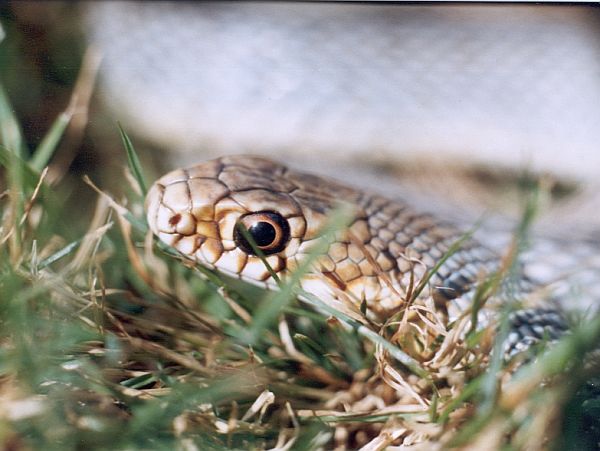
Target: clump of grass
(114,341)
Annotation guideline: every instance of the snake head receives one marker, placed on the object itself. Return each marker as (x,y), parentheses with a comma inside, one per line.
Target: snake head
(201,210)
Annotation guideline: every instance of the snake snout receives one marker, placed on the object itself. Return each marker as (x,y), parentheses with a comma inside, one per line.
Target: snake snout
(168,209)
(190,210)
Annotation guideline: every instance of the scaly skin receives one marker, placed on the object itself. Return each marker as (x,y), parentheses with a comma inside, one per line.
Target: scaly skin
(385,250)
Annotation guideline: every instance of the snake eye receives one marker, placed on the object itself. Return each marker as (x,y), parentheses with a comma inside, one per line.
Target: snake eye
(270,232)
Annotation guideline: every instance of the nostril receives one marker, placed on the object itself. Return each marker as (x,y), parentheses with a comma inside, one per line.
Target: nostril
(183,223)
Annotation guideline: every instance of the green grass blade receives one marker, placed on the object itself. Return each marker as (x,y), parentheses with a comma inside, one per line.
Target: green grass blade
(44,151)
(133,160)
(10,130)
(8,159)
(58,255)
(11,137)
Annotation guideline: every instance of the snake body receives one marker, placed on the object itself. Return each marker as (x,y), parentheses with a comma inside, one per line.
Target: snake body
(385,250)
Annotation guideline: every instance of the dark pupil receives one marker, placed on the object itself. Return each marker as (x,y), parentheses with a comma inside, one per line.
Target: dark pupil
(263,233)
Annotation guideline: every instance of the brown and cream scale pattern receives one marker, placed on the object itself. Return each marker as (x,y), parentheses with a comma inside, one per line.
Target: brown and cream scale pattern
(196,211)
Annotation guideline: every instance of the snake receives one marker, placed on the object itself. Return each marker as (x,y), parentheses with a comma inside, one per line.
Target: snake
(371,265)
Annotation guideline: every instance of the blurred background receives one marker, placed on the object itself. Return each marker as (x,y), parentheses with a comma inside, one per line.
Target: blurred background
(446,105)
(495,84)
